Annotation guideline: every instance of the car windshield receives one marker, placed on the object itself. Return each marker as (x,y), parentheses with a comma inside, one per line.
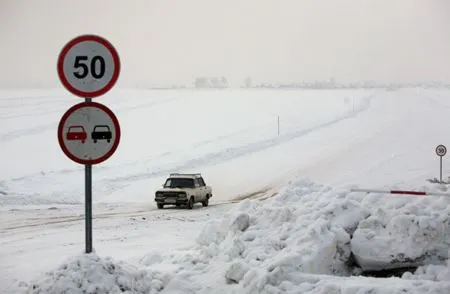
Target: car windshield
(179,183)
(76,129)
(101,129)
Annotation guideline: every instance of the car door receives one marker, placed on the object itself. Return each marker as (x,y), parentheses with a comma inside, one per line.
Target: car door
(197,191)
(202,188)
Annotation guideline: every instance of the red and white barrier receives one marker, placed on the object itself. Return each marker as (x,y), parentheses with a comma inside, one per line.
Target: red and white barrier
(417,193)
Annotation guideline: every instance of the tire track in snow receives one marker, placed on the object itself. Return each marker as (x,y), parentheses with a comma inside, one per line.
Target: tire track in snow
(31,223)
(233,153)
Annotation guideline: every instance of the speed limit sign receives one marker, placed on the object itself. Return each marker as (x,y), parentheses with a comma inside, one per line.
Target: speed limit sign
(88,66)
(441,150)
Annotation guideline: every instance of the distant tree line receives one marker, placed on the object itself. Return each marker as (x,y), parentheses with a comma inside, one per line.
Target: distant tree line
(222,83)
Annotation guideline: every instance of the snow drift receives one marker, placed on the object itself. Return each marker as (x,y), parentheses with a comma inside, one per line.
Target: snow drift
(402,231)
(296,241)
(88,273)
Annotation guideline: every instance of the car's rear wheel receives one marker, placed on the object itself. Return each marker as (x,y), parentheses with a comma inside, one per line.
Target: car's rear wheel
(160,205)
(206,201)
(190,203)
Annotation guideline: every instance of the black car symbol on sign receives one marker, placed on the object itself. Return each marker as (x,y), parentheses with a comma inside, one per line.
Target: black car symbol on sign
(101,132)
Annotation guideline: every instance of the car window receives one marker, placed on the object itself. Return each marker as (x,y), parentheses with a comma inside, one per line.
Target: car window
(101,128)
(201,182)
(167,184)
(179,183)
(76,129)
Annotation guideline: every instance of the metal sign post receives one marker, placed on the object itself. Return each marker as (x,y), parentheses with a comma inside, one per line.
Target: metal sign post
(88,133)
(88,206)
(441,150)
(278,123)
(88,201)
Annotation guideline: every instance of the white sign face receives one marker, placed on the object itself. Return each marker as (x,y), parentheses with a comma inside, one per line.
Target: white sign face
(88,66)
(441,150)
(89,133)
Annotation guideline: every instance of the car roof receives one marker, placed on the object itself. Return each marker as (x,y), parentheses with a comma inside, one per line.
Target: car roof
(189,176)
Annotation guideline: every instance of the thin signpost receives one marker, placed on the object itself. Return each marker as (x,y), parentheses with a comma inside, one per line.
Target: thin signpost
(441,150)
(88,133)
(278,123)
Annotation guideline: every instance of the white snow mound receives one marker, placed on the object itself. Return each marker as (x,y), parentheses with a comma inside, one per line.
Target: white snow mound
(88,273)
(295,242)
(403,231)
(298,241)
(266,245)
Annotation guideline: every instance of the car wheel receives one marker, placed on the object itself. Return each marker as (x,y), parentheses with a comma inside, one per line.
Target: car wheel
(160,206)
(206,201)
(83,141)
(95,141)
(190,204)
(109,141)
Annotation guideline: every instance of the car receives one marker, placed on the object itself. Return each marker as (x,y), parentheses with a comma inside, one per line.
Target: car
(183,189)
(101,132)
(76,133)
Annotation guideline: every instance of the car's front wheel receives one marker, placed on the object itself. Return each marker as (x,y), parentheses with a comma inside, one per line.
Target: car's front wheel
(190,203)
(160,205)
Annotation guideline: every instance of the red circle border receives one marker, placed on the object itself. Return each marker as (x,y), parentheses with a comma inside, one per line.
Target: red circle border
(445,148)
(84,38)
(61,135)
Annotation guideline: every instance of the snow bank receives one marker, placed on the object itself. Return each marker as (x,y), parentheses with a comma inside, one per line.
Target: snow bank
(88,273)
(295,242)
(299,241)
(403,231)
(306,228)
(268,246)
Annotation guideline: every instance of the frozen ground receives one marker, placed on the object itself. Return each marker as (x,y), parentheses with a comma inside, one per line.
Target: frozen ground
(369,138)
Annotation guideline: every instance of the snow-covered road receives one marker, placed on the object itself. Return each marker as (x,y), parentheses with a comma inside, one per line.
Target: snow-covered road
(370,138)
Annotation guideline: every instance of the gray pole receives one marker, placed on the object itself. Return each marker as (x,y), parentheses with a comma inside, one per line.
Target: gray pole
(440,168)
(88,202)
(278,125)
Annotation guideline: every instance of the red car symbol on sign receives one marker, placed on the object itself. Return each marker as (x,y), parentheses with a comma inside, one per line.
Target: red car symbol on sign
(76,133)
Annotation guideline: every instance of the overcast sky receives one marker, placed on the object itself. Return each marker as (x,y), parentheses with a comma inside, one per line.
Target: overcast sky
(173,41)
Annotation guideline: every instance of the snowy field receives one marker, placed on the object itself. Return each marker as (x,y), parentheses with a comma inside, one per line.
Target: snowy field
(296,236)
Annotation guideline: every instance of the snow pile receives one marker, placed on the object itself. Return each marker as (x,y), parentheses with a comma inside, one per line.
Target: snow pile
(298,241)
(306,228)
(403,231)
(264,246)
(295,242)
(89,273)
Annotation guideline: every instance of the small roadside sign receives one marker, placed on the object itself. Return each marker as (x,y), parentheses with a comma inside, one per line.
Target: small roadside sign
(88,66)
(89,133)
(441,150)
